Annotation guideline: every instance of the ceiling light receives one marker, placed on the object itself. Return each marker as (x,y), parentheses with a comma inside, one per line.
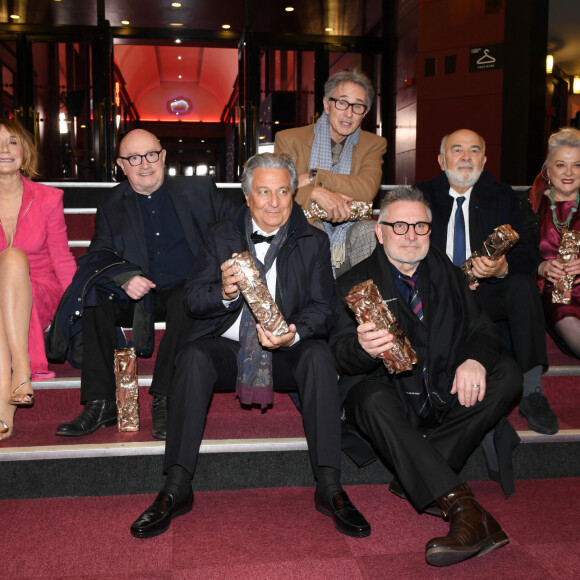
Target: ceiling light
(178,41)
(549,64)
(125,22)
(328,29)
(176,24)
(576,85)
(289,8)
(178,58)
(181,140)
(15,17)
(179,105)
(176,4)
(226,26)
(62,128)
(179,76)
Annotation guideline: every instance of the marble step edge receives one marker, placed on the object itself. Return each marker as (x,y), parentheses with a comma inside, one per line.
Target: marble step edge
(145,380)
(89,450)
(211,446)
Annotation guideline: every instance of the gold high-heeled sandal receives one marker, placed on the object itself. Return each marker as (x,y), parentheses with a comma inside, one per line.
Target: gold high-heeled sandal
(29,398)
(4,429)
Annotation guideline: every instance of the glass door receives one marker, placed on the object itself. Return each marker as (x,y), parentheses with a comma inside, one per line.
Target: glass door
(62,116)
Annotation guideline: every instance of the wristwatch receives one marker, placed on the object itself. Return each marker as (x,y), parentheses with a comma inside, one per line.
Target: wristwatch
(312,175)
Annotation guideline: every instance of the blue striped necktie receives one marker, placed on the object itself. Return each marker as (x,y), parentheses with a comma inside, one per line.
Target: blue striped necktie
(416,304)
(459,234)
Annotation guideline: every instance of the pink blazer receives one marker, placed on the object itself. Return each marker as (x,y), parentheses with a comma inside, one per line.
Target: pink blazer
(41,234)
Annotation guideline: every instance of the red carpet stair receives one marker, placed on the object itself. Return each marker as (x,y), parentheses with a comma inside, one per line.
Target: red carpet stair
(241,448)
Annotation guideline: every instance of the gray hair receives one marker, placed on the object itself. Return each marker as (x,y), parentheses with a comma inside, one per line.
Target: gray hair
(346,76)
(444,141)
(403,194)
(565,137)
(269,161)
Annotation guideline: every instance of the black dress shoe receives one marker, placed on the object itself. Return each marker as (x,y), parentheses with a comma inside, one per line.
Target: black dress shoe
(347,519)
(396,488)
(159,415)
(157,518)
(536,409)
(95,414)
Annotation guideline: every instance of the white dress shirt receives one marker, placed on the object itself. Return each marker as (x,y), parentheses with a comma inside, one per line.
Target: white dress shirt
(233,332)
(451,224)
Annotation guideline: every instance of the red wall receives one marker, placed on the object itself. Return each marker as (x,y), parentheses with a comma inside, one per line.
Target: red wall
(429,107)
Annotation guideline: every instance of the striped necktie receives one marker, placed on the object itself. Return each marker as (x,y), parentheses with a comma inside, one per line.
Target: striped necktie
(416,304)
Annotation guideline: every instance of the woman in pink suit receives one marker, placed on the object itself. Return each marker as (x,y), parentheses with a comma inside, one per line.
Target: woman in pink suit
(35,268)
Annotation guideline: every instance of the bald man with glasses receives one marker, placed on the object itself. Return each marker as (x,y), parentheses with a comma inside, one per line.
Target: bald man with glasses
(425,423)
(338,162)
(157,225)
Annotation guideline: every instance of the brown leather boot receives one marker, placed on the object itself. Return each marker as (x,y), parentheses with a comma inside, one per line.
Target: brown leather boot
(473,531)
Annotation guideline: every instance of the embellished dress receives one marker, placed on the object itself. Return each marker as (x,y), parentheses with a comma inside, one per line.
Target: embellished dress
(549,243)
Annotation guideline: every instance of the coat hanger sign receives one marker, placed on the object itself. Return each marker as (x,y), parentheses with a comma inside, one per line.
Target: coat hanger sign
(484,58)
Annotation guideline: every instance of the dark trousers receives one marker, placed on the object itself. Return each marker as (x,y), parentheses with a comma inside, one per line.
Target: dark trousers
(427,459)
(210,364)
(516,300)
(100,342)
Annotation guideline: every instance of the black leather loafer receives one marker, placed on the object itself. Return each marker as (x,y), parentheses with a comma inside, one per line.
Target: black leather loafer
(159,416)
(157,518)
(95,414)
(347,519)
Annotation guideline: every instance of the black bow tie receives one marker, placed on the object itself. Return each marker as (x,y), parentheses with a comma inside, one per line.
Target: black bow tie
(259,238)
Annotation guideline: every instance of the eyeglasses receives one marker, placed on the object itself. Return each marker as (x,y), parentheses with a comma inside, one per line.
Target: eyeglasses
(135,160)
(401,228)
(343,105)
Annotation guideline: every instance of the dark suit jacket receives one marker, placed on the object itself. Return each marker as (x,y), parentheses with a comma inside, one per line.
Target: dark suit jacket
(455,329)
(119,225)
(491,204)
(305,289)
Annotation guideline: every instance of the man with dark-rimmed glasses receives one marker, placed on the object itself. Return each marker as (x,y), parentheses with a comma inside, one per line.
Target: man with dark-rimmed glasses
(425,423)
(157,225)
(338,162)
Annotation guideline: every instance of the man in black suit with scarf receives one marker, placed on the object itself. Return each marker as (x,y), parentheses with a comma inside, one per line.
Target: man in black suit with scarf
(425,423)
(506,288)
(228,351)
(156,224)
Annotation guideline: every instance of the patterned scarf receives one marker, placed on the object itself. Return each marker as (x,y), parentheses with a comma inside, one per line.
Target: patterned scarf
(254,385)
(321,158)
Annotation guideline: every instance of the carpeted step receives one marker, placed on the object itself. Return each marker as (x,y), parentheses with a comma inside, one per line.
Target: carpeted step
(59,401)
(241,449)
(36,426)
(80,226)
